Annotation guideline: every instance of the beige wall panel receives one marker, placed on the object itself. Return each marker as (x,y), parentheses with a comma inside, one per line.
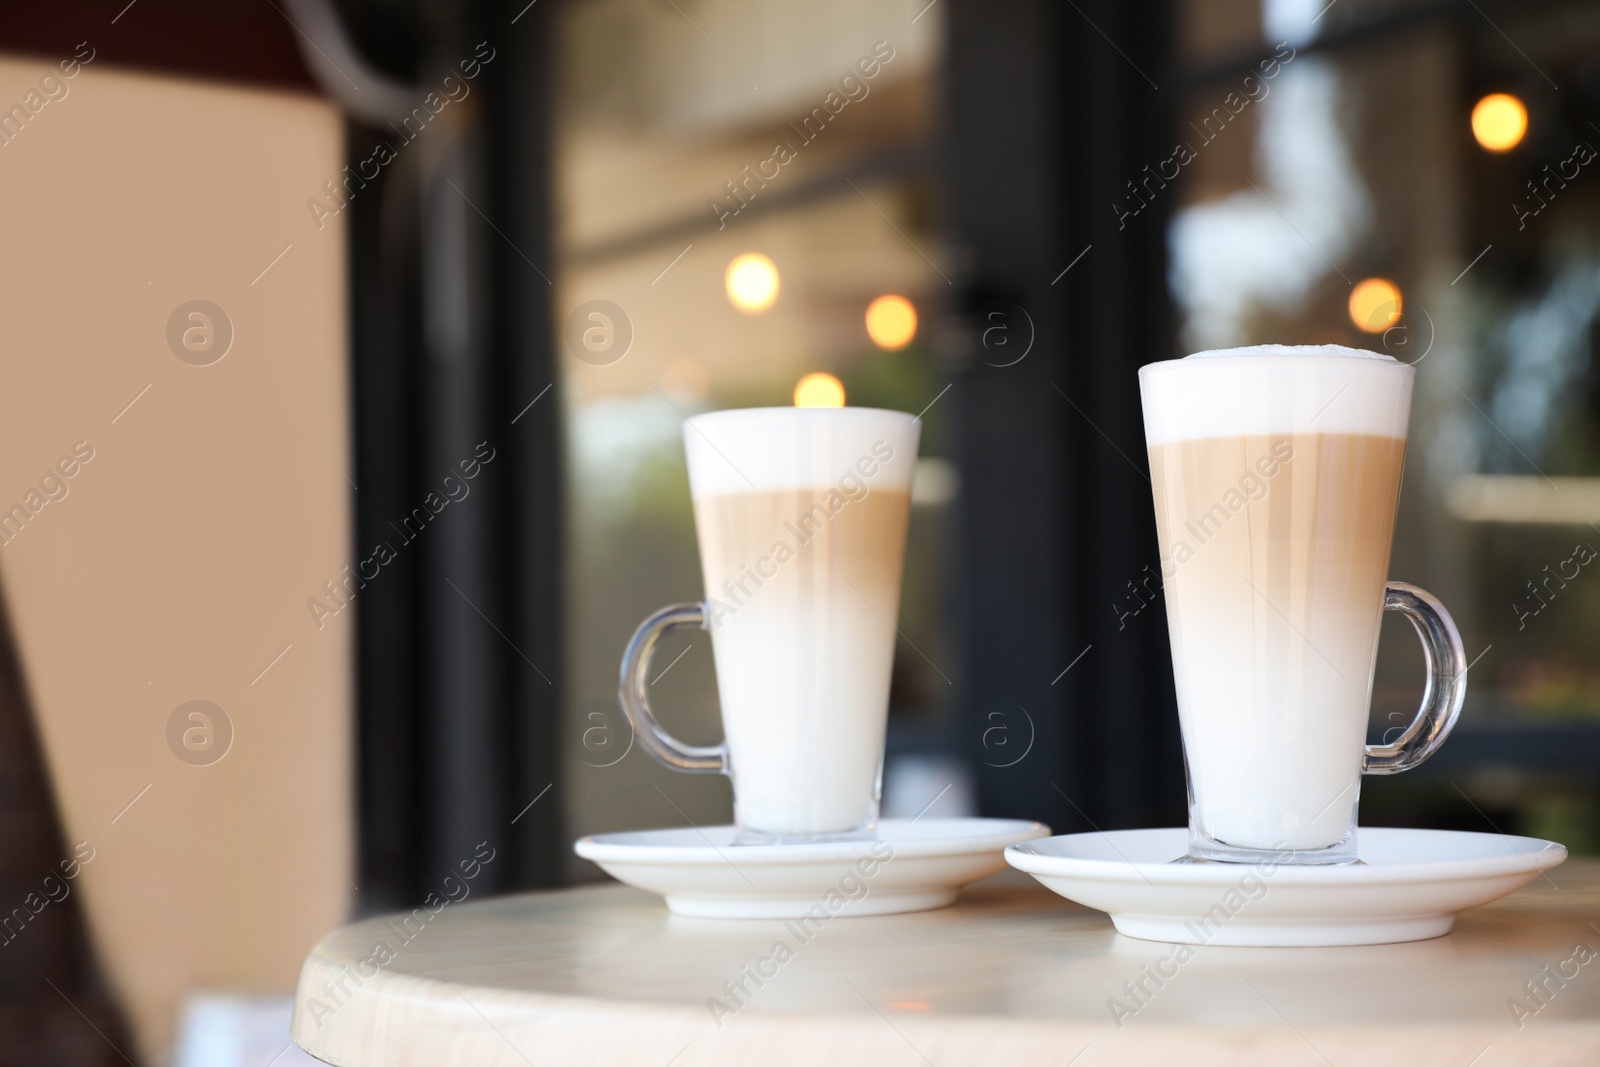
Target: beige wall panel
(179,564)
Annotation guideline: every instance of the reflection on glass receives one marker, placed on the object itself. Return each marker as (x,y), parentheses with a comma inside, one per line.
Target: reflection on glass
(1262,249)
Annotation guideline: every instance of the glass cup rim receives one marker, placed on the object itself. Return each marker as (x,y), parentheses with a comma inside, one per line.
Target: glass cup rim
(797,414)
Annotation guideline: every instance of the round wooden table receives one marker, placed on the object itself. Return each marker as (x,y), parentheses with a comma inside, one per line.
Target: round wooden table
(1010,975)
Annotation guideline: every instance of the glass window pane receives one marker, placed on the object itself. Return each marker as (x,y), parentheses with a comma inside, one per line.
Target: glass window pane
(690,136)
(1350,197)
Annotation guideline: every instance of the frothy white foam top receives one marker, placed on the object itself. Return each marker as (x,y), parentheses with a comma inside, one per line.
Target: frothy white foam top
(750,449)
(1293,351)
(1276,389)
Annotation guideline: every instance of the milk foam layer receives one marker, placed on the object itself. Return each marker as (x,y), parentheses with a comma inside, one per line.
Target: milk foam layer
(753,449)
(1293,351)
(1276,389)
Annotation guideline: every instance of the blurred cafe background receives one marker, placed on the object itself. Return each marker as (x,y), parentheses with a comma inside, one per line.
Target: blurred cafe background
(347,346)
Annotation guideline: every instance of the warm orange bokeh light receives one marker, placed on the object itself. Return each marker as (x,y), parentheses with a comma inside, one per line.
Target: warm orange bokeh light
(1375,304)
(752,282)
(891,322)
(819,390)
(1499,122)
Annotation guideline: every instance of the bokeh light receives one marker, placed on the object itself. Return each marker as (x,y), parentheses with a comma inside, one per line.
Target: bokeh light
(819,390)
(891,322)
(752,281)
(1375,304)
(1499,122)
(686,381)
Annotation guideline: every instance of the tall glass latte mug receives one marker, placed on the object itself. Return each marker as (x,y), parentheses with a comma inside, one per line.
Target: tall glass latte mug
(801,515)
(1276,473)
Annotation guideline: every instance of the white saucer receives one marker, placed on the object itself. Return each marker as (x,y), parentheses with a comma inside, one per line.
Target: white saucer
(912,865)
(1408,886)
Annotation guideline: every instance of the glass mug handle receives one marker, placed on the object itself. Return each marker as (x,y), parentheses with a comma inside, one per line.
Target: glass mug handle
(1446,686)
(634,696)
